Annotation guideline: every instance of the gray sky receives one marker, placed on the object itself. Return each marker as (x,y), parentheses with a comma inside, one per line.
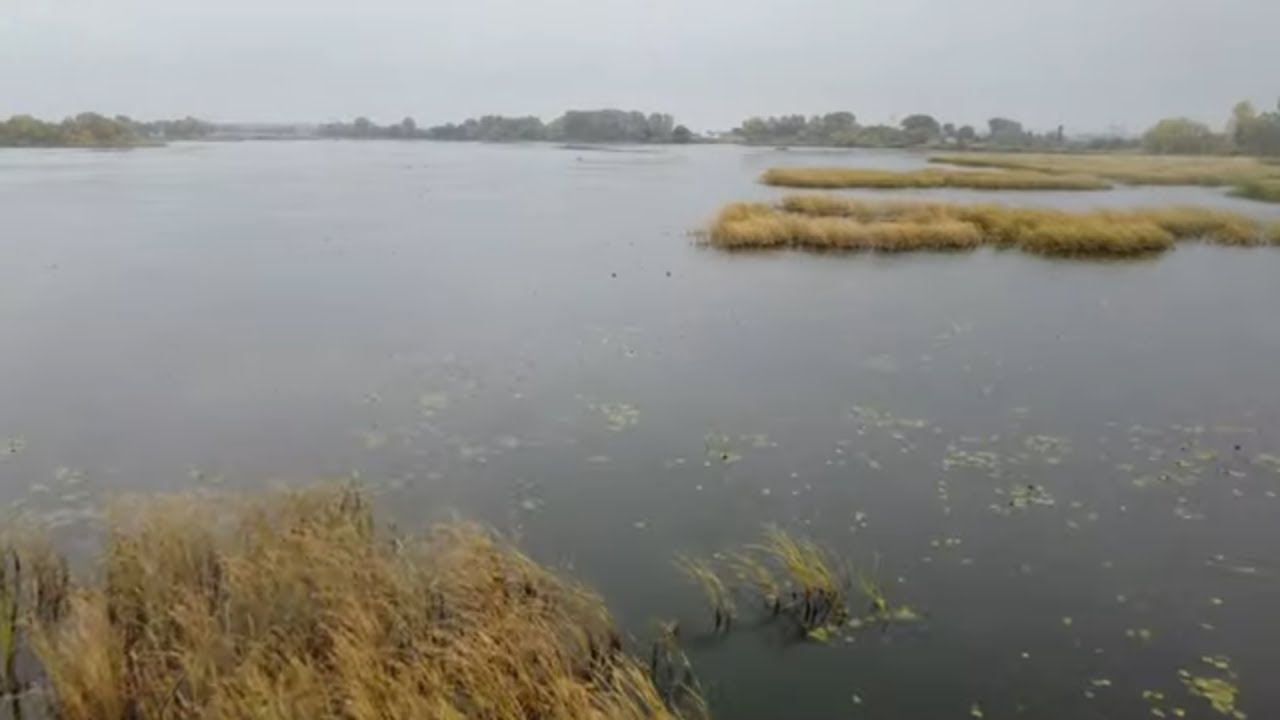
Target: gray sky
(1086,63)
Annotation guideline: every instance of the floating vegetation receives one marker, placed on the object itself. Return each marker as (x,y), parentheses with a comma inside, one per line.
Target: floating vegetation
(720,447)
(838,223)
(1021,497)
(1220,689)
(832,177)
(11,446)
(1268,461)
(975,459)
(1053,448)
(619,416)
(875,417)
(433,403)
(1133,169)
(294,605)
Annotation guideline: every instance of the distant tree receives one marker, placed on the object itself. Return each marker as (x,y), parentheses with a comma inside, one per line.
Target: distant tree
(921,129)
(1180,136)
(1253,132)
(882,136)
(83,130)
(681,134)
(408,127)
(1243,115)
(838,122)
(1003,131)
(966,134)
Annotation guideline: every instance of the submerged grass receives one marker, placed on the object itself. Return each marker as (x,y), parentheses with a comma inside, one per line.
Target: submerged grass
(293,606)
(841,223)
(819,177)
(1133,169)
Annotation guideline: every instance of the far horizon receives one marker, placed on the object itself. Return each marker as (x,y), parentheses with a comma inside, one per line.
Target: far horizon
(1090,66)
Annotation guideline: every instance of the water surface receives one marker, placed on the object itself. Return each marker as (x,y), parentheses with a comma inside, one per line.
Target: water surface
(526,335)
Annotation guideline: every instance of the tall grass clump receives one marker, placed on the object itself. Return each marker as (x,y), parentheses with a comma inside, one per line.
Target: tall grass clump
(295,606)
(1132,169)
(1266,190)
(828,222)
(795,582)
(830,178)
(761,226)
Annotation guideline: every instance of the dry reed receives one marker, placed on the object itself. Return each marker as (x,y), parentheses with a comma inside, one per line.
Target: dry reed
(830,178)
(830,222)
(1133,169)
(293,606)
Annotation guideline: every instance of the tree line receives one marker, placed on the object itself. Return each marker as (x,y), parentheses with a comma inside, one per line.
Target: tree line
(94,130)
(1248,132)
(589,126)
(841,129)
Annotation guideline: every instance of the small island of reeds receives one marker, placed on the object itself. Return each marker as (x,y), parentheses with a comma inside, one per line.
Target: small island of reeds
(1251,177)
(832,177)
(825,222)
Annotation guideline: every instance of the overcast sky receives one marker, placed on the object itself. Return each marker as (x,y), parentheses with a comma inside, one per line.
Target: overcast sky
(1089,64)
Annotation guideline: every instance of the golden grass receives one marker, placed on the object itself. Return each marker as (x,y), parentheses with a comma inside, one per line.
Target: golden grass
(829,178)
(832,222)
(1133,169)
(293,606)
(758,226)
(704,575)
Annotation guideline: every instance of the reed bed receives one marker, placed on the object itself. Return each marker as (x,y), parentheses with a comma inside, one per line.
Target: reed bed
(828,222)
(831,178)
(1132,169)
(1266,190)
(294,606)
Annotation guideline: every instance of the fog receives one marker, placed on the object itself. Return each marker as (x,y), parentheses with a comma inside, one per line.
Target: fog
(1091,64)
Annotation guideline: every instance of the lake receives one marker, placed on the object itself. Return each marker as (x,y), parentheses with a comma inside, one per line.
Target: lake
(1069,469)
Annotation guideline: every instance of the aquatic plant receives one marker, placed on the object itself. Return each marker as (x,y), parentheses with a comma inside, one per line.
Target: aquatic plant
(1220,689)
(704,575)
(831,177)
(294,606)
(814,590)
(828,222)
(1133,169)
(1266,190)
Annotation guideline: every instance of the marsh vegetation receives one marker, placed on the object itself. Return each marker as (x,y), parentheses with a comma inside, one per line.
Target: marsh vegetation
(1251,177)
(295,605)
(806,177)
(839,223)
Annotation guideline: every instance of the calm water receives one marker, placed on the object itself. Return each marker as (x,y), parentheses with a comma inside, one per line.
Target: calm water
(527,336)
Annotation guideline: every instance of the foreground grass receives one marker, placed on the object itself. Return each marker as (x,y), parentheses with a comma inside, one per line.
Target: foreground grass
(839,223)
(1126,168)
(801,177)
(293,606)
